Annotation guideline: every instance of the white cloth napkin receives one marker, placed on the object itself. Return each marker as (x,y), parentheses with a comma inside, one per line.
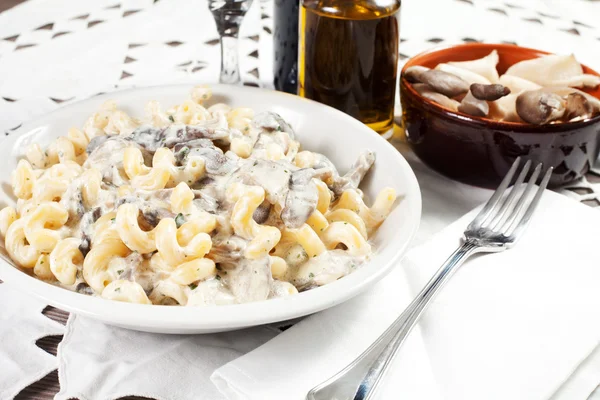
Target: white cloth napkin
(512,325)
(306,354)
(515,325)
(102,362)
(583,381)
(21,325)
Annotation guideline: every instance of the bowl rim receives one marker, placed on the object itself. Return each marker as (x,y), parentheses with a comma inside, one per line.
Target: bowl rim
(182,319)
(521,127)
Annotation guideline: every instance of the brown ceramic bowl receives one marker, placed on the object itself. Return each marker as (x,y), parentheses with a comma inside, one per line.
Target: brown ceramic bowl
(480,151)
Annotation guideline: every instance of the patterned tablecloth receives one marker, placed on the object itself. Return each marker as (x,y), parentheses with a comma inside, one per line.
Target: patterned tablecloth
(54,52)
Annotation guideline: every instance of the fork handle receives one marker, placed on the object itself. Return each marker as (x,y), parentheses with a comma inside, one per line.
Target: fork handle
(359,380)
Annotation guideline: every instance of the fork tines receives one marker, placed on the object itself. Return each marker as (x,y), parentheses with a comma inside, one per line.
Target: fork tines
(510,214)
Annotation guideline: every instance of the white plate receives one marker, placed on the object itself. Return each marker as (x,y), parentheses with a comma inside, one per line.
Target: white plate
(319,128)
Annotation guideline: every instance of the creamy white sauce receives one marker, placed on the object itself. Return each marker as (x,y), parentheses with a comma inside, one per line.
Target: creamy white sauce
(291,197)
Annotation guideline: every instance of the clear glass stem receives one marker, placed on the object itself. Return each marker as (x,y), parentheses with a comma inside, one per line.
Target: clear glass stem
(230,67)
(229,15)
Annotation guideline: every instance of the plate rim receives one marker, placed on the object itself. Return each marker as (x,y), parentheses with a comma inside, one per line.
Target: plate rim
(169,319)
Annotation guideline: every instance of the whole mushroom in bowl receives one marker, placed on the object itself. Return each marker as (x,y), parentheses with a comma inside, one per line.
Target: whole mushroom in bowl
(469,110)
(542,88)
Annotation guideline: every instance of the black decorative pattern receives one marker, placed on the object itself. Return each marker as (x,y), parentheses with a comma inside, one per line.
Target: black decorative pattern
(130,12)
(47,27)
(498,11)
(91,24)
(573,31)
(58,34)
(535,20)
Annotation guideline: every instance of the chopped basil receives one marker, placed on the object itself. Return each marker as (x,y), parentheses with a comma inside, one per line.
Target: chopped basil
(41,262)
(279,128)
(193,286)
(120,271)
(118,289)
(113,219)
(218,277)
(179,220)
(171,118)
(311,275)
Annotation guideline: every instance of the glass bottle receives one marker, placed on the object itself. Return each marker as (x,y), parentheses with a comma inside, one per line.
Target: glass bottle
(285,43)
(348,57)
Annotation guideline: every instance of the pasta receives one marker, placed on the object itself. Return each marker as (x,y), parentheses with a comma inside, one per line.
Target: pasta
(197,205)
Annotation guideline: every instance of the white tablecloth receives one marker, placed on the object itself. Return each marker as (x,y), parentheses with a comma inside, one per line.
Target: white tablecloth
(54,52)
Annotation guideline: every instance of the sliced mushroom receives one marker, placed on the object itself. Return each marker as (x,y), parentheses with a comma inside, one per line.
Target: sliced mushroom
(96,142)
(463,73)
(151,138)
(261,214)
(205,201)
(427,92)
(176,134)
(84,288)
(355,175)
(413,74)
(151,216)
(302,198)
(579,106)
(271,121)
(484,67)
(489,92)
(473,106)
(564,91)
(505,109)
(251,280)
(444,83)
(227,249)
(540,107)
(216,163)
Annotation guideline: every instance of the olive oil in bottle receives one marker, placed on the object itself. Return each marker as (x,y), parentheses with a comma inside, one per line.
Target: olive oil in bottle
(348,57)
